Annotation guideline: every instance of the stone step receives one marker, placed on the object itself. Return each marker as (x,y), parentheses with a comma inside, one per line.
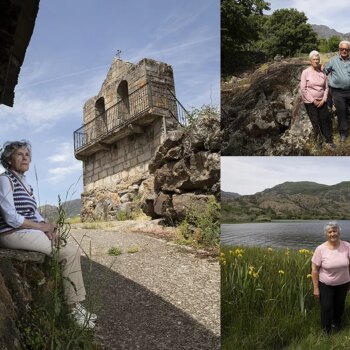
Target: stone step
(22,255)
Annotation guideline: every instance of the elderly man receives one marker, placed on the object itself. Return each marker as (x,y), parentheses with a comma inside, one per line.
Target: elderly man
(338,71)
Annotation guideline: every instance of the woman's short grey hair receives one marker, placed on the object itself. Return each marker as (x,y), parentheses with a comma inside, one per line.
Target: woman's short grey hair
(9,148)
(345,42)
(314,53)
(333,225)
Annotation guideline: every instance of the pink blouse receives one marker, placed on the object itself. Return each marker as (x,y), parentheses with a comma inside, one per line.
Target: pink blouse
(313,85)
(333,264)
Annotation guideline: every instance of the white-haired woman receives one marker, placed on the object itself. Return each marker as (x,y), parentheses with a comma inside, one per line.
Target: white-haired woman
(331,277)
(314,92)
(22,227)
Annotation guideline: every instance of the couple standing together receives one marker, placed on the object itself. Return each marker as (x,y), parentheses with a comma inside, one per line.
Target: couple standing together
(321,88)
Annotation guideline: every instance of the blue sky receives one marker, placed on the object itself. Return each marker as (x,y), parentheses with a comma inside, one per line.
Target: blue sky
(69,55)
(334,14)
(248,175)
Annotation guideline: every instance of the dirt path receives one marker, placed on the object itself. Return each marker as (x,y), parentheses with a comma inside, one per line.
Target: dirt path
(160,297)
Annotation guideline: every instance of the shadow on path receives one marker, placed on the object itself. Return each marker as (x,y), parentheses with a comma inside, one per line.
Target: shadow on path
(132,317)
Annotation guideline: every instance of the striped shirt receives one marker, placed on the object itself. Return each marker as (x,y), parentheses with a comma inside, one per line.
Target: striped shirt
(17,202)
(338,71)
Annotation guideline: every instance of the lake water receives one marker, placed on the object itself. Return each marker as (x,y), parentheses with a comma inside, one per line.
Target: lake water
(281,234)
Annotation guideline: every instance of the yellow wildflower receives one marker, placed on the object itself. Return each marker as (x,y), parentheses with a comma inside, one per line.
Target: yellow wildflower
(281,272)
(269,249)
(239,251)
(309,275)
(255,274)
(239,255)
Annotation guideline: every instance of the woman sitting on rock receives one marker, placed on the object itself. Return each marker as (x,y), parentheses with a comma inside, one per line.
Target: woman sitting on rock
(22,227)
(314,92)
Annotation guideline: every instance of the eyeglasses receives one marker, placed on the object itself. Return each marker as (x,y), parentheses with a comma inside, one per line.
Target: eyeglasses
(343,49)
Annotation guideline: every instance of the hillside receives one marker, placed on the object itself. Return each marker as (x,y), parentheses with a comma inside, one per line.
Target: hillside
(326,32)
(72,208)
(227,196)
(291,200)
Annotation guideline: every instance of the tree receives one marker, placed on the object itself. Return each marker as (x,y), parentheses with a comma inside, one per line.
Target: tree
(240,26)
(323,45)
(333,43)
(289,33)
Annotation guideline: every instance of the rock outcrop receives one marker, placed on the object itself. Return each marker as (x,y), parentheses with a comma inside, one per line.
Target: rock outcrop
(186,168)
(263,113)
(21,273)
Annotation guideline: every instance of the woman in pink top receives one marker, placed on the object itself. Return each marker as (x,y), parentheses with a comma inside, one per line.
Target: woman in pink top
(314,92)
(331,276)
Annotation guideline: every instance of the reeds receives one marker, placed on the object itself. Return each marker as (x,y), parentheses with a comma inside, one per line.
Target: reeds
(266,297)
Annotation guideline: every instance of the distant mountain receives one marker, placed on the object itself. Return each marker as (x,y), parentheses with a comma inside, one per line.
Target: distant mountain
(326,32)
(226,196)
(72,208)
(291,200)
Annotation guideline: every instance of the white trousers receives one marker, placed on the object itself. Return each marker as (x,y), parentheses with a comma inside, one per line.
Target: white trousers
(69,257)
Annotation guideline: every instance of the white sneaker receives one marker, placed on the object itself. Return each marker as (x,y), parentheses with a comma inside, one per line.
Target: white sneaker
(81,319)
(87,314)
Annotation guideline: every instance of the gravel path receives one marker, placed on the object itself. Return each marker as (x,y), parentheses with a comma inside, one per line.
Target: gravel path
(160,297)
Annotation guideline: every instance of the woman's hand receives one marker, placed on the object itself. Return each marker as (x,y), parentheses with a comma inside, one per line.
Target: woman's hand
(318,103)
(50,231)
(316,293)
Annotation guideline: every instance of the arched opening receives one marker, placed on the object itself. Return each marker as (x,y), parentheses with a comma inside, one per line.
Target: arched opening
(101,121)
(123,109)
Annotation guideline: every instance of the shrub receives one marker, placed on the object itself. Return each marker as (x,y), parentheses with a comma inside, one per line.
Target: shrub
(202,224)
(115,251)
(132,250)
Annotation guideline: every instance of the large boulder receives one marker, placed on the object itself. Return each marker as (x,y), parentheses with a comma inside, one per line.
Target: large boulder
(263,113)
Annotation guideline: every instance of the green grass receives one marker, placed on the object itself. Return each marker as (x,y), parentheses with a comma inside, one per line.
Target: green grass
(115,251)
(74,220)
(267,302)
(201,226)
(133,250)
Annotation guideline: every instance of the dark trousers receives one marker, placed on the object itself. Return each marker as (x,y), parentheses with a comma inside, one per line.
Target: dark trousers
(320,120)
(332,302)
(341,100)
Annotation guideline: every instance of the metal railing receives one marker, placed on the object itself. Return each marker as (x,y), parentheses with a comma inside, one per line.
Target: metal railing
(138,103)
(181,114)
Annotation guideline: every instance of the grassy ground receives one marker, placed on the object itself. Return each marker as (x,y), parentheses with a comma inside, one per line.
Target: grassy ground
(267,302)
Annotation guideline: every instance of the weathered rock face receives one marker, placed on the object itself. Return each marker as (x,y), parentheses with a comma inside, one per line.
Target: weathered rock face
(186,168)
(186,164)
(264,114)
(20,273)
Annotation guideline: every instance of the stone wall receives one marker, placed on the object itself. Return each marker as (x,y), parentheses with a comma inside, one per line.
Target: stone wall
(138,75)
(127,158)
(21,273)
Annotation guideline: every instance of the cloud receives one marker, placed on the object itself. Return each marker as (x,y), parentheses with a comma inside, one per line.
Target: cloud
(40,109)
(64,154)
(68,164)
